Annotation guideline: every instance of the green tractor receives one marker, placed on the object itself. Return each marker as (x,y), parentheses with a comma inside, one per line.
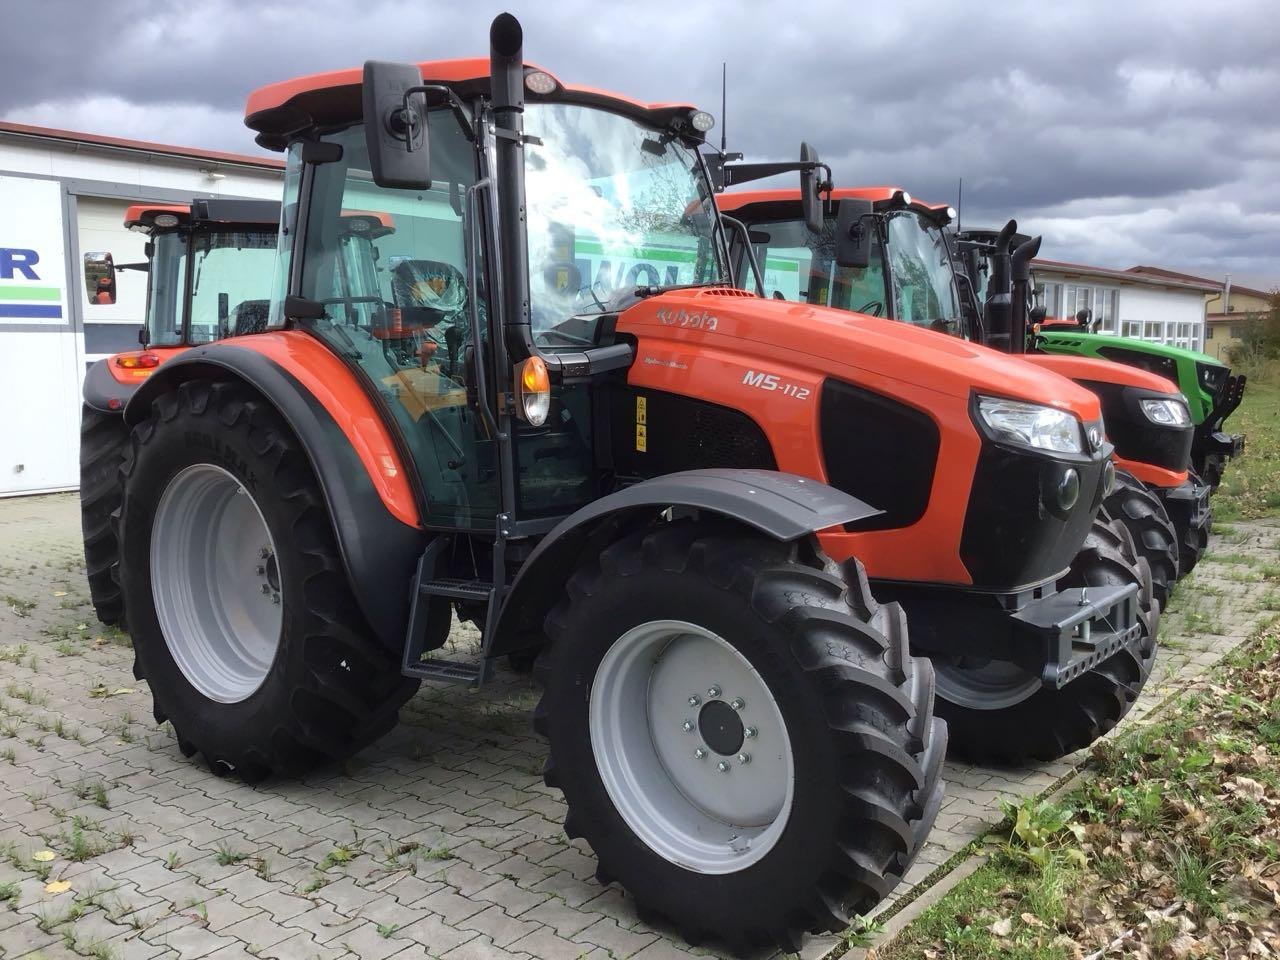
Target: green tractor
(1212,392)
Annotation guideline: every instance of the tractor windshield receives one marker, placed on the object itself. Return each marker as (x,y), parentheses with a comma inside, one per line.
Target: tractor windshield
(612,205)
(920,265)
(230,283)
(166,281)
(797,265)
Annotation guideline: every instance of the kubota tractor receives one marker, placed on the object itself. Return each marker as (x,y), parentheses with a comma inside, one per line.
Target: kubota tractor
(1212,393)
(900,268)
(654,485)
(209,266)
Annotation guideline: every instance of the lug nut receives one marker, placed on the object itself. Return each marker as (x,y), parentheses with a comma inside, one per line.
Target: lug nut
(722,766)
(744,758)
(688,726)
(750,733)
(695,700)
(266,588)
(738,703)
(262,571)
(713,692)
(275,598)
(264,553)
(700,753)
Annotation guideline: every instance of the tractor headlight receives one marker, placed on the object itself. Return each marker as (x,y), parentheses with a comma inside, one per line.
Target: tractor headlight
(1167,412)
(1032,424)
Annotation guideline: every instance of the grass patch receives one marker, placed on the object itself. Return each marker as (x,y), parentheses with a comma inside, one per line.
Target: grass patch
(224,856)
(19,605)
(1251,483)
(1170,848)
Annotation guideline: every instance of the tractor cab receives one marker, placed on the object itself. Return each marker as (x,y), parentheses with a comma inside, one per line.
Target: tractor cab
(903,269)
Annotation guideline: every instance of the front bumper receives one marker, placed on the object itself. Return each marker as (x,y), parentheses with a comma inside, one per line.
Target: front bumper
(1187,505)
(1058,634)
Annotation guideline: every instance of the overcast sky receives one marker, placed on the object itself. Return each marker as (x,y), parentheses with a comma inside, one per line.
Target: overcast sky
(1125,132)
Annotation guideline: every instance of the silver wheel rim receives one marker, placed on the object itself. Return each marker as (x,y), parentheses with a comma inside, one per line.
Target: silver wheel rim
(215,583)
(661,745)
(981,684)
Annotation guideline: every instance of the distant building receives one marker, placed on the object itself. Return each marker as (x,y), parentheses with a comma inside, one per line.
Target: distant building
(1158,306)
(62,197)
(1230,308)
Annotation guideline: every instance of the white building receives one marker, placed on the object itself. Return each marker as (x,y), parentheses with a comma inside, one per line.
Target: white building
(63,195)
(1157,308)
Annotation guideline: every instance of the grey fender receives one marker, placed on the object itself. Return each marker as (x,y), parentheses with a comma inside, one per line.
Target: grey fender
(379,552)
(780,505)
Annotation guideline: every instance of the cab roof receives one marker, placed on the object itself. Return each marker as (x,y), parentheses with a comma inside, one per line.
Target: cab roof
(266,213)
(281,111)
(784,203)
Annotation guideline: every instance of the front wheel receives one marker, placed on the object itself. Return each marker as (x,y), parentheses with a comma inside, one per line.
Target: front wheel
(242,620)
(739,732)
(1001,714)
(1140,512)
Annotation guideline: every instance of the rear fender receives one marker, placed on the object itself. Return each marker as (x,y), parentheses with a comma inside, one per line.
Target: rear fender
(374,517)
(780,505)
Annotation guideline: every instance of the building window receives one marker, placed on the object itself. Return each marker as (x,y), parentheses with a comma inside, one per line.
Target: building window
(1049,296)
(1103,303)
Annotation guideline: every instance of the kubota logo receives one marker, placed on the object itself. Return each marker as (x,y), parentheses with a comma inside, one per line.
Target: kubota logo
(683,318)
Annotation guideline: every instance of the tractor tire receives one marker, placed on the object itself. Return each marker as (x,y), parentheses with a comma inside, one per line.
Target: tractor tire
(242,619)
(804,756)
(1140,512)
(1193,532)
(104,440)
(1002,715)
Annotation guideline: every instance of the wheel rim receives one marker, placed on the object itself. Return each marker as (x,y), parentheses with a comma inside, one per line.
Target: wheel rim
(215,582)
(981,684)
(691,747)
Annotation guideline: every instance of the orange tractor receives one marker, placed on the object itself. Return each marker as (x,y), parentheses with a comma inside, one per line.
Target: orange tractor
(667,490)
(202,258)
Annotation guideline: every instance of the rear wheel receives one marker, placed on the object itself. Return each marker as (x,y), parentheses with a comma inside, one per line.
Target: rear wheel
(1000,713)
(104,440)
(739,732)
(1140,511)
(241,617)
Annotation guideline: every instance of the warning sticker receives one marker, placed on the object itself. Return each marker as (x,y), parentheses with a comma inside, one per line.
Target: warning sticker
(642,424)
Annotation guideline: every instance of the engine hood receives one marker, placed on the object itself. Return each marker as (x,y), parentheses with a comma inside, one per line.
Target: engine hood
(1102,371)
(833,342)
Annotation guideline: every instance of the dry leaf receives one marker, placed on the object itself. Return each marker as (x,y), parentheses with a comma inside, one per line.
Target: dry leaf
(59,593)
(57,886)
(1031,920)
(43,856)
(1001,928)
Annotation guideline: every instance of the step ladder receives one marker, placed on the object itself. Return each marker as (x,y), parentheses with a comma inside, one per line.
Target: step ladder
(426,588)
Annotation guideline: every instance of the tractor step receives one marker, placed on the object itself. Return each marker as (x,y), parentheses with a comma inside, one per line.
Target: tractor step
(474,591)
(449,671)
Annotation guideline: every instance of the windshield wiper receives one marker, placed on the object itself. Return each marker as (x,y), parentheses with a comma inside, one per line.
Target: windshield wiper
(652,290)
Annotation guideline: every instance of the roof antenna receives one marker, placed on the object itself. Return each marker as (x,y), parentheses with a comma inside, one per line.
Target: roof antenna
(959,204)
(724,105)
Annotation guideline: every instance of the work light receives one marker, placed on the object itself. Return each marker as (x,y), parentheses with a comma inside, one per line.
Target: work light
(165,220)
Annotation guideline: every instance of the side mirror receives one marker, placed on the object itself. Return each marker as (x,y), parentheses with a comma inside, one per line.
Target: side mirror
(1037,315)
(1083,315)
(810,200)
(395,125)
(100,277)
(853,233)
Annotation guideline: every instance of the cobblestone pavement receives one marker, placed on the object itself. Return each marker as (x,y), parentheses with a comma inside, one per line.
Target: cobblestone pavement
(440,840)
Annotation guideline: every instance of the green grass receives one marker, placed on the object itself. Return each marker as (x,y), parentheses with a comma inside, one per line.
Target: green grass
(13,655)
(225,856)
(8,892)
(1251,483)
(19,605)
(1176,819)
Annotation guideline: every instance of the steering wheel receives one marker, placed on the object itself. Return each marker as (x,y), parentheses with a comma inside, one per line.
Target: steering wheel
(873,307)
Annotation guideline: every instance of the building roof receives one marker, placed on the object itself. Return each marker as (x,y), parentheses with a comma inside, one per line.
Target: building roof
(1174,275)
(220,157)
(1125,276)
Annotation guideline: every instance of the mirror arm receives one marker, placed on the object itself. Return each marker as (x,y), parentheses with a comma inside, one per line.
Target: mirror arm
(455,104)
(743,172)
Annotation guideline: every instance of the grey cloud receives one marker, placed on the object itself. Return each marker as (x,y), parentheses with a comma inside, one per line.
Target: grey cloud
(1127,131)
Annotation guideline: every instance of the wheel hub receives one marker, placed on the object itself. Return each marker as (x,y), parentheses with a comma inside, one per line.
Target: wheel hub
(707,785)
(216,583)
(721,728)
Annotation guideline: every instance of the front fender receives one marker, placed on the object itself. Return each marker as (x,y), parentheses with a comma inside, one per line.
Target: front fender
(378,544)
(780,505)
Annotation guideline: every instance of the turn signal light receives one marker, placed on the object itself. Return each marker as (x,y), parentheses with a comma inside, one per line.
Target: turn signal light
(533,391)
(138,361)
